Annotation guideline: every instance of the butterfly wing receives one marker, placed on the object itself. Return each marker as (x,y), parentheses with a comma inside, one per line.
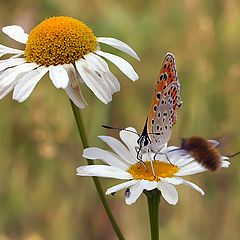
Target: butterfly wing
(166,100)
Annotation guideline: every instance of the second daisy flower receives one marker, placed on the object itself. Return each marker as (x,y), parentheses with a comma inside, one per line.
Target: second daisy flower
(162,174)
(67,49)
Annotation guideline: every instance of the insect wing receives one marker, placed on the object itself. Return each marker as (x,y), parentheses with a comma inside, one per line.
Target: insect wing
(166,100)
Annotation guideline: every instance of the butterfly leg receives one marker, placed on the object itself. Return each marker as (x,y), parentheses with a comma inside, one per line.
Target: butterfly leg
(165,154)
(139,157)
(141,162)
(151,162)
(154,157)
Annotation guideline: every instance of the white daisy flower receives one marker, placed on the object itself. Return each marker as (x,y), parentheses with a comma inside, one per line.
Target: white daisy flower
(123,164)
(67,49)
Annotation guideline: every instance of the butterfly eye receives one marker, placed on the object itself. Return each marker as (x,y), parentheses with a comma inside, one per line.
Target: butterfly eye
(143,141)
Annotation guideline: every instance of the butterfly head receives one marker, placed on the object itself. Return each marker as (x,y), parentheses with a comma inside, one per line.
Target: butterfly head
(143,141)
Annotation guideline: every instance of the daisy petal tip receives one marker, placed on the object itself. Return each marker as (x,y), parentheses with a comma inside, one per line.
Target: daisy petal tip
(102,137)
(6,29)
(78,170)
(108,101)
(87,152)
(84,151)
(17,98)
(137,57)
(135,78)
(83,106)
(108,192)
(118,44)
(128,201)
(16,32)
(225,164)
(172,202)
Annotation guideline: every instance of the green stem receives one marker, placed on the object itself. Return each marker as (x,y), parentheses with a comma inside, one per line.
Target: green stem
(153,198)
(96,181)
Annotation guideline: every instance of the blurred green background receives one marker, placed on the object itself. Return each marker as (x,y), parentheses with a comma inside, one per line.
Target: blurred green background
(40,195)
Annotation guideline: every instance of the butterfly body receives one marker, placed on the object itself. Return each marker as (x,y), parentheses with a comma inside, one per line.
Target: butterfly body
(163,111)
(203,151)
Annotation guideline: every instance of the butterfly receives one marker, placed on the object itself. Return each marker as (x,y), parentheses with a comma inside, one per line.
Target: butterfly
(163,111)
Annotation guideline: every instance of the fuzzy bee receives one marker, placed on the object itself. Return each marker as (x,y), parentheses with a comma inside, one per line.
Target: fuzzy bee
(204,151)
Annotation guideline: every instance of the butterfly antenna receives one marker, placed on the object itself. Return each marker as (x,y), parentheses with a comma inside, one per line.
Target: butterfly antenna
(119,129)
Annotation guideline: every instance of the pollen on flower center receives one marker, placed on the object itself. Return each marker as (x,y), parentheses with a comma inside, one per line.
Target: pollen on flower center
(144,172)
(59,40)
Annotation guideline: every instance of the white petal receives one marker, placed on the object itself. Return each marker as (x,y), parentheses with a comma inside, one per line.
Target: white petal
(120,186)
(27,83)
(130,139)
(177,156)
(119,45)
(102,68)
(11,62)
(7,50)
(174,181)
(171,148)
(122,64)
(90,80)
(224,158)
(193,186)
(112,81)
(225,164)
(181,160)
(73,89)
(79,78)
(191,168)
(106,156)
(99,75)
(148,185)
(168,191)
(184,160)
(16,56)
(10,74)
(103,171)
(134,193)
(16,32)
(59,76)
(4,91)
(119,148)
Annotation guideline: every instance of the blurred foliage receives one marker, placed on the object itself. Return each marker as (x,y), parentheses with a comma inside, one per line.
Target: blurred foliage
(40,195)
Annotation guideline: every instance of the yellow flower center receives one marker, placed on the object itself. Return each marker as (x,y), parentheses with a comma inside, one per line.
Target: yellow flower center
(161,170)
(59,40)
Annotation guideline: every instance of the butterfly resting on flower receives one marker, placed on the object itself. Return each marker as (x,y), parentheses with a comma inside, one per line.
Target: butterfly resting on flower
(163,111)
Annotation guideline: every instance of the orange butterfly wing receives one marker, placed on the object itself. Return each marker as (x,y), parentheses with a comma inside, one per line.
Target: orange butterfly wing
(166,100)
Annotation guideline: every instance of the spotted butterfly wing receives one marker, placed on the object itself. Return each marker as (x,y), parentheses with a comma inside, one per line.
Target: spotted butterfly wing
(163,111)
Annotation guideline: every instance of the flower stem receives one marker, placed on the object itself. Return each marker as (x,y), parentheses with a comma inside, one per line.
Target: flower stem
(153,198)
(96,181)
